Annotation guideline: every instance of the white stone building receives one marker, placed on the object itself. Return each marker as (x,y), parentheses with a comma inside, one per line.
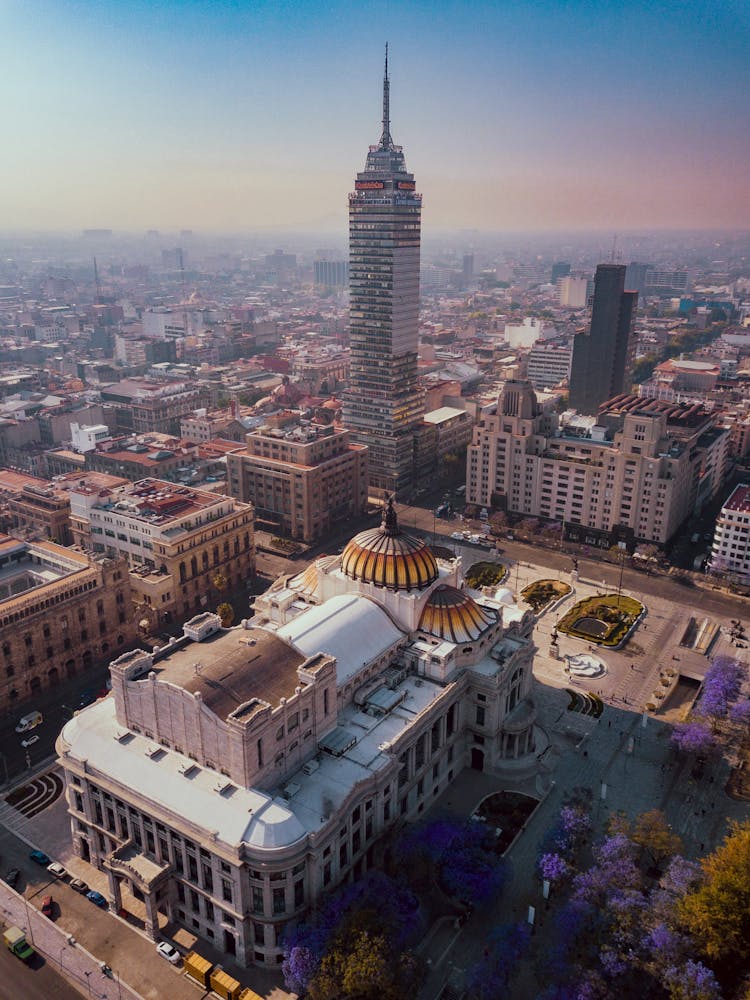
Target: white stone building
(236,774)
(730,551)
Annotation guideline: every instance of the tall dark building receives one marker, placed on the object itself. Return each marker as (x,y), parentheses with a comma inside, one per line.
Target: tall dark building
(603,357)
(384,406)
(560,269)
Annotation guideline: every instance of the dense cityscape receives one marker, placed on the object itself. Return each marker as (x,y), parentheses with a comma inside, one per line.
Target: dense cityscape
(371,605)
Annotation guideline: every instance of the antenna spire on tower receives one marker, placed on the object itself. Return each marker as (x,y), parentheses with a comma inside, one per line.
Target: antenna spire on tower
(385,139)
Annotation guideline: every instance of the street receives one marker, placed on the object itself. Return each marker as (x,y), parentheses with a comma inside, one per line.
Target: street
(37,981)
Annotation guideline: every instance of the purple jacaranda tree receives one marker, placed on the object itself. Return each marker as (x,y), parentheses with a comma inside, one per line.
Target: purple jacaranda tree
(391,904)
(298,968)
(664,947)
(692,737)
(472,874)
(576,823)
(740,712)
(553,868)
(506,946)
(721,686)
(691,981)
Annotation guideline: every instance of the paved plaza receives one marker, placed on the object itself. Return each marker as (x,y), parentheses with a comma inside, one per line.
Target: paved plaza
(623,760)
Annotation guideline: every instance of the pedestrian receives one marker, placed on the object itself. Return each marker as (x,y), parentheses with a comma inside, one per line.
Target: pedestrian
(702,845)
(703,812)
(609,724)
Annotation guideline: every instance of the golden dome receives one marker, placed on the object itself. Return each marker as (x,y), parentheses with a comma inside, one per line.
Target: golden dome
(453,615)
(386,557)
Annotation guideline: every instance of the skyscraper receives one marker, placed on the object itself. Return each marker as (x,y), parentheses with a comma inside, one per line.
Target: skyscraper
(602,358)
(383,406)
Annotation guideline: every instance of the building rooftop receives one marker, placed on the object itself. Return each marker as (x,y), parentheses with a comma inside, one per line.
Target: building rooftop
(442,414)
(739,499)
(233,667)
(331,626)
(157,502)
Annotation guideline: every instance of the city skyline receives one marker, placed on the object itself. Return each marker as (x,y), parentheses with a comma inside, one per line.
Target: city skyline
(564,116)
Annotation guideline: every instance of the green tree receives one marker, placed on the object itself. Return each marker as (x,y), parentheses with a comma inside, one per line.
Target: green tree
(654,836)
(225,611)
(717,913)
(362,965)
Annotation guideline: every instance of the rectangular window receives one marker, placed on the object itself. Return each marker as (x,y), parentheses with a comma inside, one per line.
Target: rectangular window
(226,890)
(279,901)
(257,900)
(480,716)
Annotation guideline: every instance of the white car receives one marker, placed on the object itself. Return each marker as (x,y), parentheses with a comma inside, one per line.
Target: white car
(56,869)
(458,535)
(29,742)
(168,951)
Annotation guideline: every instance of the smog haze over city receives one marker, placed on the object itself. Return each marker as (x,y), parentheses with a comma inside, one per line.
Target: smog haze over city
(240,117)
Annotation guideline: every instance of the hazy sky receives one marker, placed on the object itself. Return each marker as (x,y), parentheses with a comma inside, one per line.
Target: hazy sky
(249,114)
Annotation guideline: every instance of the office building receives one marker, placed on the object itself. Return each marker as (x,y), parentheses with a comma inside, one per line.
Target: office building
(185,547)
(383,406)
(548,364)
(61,613)
(603,357)
(237,775)
(634,473)
(573,291)
(331,273)
(303,479)
(560,269)
(730,551)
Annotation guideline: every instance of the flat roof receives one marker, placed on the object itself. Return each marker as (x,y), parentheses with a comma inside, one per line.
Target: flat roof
(232,667)
(443,413)
(739,499)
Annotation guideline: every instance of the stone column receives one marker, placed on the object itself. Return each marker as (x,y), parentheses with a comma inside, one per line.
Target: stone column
(152,915)
(114,891)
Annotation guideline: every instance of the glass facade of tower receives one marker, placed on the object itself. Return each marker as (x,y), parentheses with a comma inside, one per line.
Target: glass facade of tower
(383,406)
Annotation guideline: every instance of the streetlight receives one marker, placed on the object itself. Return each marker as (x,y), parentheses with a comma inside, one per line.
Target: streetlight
(87,974)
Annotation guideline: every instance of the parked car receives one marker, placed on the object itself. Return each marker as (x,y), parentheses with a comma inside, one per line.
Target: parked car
(29,742)
(40,858)
(11,876)
(96,898)
(47,906)
(457,535)
(79,885)
(57,870)
(168,951)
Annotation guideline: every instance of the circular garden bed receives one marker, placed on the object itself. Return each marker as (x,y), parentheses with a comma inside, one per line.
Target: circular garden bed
(605,619)
(541,593)
(506,812)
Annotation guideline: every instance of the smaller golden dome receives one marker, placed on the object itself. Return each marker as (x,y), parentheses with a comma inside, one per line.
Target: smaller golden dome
(453,615)
(386,557)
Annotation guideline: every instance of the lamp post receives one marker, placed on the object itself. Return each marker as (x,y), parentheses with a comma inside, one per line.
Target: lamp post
(87,974)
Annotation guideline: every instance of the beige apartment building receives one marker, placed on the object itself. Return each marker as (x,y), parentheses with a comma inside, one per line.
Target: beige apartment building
(634,473)
(185,547)
(61,612)
(302,478)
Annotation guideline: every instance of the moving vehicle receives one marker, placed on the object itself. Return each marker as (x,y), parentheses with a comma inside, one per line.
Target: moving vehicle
(11,876)
(56,869)
(15,941)
(30,741)
(47,906)
(29,722)
(40,858)
(78,885)
(96,898)
(168,951)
